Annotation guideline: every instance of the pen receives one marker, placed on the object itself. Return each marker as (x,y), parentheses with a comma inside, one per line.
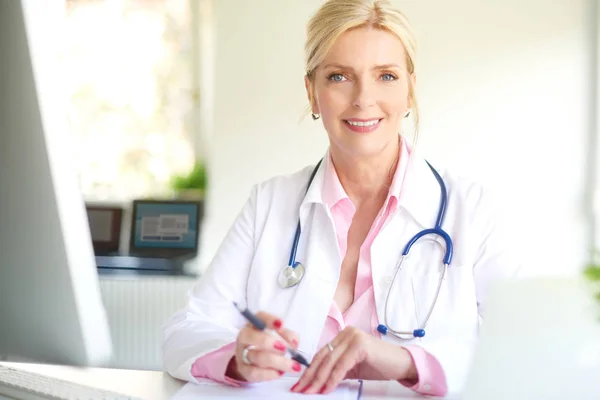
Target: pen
(261,326)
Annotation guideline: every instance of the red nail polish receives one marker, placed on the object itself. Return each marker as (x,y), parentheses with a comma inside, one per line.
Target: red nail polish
(277,324)
(279,346)
(306,389)
(281,373)
(296,367)
(294,387)
(322,390)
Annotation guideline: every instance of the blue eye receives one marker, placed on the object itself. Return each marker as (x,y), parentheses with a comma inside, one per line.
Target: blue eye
(336,77)
(388,77)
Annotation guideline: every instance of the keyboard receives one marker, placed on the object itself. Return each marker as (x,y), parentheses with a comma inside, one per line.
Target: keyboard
(25,385)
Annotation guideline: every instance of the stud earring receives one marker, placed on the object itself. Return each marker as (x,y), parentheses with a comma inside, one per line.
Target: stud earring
(316,116)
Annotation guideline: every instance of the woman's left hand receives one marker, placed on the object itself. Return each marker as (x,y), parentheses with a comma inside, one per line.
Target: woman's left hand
(355,355)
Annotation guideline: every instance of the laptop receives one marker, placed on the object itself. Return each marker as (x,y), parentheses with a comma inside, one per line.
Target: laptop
(540,339)
(163,235)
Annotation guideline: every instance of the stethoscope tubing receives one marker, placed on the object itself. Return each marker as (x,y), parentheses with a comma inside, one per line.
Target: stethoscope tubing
(292,259)
(436,230)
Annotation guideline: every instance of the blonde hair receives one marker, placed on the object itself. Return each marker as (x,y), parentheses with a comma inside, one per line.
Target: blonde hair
(336,17)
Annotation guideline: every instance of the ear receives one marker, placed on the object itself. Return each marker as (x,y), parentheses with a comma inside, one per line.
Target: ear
(308,85)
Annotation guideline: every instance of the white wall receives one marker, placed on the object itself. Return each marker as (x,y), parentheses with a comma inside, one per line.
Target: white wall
(505,95)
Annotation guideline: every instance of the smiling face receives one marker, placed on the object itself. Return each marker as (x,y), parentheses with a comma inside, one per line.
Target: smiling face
(361,90)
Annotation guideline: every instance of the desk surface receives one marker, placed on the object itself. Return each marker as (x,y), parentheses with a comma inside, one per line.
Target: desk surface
(150,385)
(156,385)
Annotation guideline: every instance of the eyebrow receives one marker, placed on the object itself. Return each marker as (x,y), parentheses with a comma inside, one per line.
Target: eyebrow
(377,67)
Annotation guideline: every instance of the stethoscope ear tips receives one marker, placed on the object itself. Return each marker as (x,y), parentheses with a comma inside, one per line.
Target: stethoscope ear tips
(384,330)
(419,332)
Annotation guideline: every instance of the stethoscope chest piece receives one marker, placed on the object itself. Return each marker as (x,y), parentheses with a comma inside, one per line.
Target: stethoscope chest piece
(290,276)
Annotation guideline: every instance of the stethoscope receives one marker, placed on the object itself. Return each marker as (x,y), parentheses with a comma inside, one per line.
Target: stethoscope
(293,272)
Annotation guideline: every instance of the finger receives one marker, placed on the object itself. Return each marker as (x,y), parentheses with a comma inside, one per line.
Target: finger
(323,373)
(289,336)
(340,369)
(270,364)
(309,372)
(307,377)
(270,320)
(276,324)
(250,371)
(253,373)
(351,356)
(263,340)
(270,360)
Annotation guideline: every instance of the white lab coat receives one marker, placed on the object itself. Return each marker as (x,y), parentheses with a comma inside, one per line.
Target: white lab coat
(257,247)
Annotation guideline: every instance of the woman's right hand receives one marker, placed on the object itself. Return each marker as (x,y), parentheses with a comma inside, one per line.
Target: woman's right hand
(267,356)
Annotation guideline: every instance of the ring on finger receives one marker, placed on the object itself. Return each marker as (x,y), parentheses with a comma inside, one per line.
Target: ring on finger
(245,354)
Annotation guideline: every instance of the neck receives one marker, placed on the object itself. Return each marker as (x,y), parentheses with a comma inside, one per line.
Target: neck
(367,179)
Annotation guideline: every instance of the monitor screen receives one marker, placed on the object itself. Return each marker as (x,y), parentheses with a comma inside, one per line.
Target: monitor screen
(165,225)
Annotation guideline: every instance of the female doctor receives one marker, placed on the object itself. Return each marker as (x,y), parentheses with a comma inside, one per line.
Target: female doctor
(318,254)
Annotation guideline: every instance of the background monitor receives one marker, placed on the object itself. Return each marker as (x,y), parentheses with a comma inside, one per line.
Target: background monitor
(50,302)
(169,228)
(105,224)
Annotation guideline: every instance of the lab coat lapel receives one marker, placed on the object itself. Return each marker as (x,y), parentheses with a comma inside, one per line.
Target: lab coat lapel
(420,193)
(319,253)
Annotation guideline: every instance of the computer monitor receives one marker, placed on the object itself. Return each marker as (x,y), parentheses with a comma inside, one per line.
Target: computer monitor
(51,309)
(105,224)
(540,339)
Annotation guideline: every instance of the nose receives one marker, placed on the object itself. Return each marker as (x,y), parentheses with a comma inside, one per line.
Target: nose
(364,94)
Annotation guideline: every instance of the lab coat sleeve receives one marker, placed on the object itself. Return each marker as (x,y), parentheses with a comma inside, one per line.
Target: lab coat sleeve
(492,260)
(210,321)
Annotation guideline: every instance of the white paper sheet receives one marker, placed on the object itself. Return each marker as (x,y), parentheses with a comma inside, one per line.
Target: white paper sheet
(278,389)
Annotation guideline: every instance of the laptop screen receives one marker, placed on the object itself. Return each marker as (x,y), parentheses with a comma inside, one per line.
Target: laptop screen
(165,225)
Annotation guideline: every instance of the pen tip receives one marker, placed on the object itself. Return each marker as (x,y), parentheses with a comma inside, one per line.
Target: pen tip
(236,305)
(299,358)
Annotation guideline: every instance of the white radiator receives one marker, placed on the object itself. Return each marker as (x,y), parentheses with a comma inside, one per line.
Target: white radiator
(137,308)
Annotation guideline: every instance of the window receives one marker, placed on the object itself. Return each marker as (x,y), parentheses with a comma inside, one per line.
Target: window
(128,65)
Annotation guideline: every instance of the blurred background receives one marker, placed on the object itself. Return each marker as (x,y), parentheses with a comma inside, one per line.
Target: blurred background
(508,92)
